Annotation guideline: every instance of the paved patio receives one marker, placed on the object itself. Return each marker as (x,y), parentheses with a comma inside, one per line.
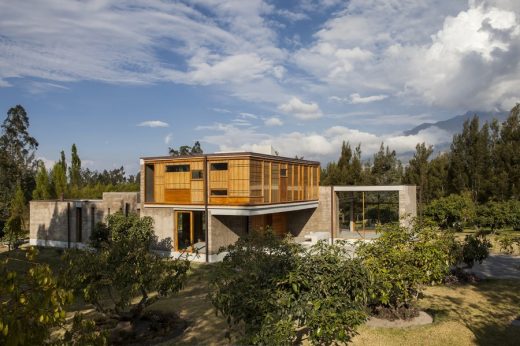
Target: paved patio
(499,267)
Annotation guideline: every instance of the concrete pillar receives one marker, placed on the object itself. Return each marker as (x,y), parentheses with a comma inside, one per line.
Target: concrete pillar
(407,204)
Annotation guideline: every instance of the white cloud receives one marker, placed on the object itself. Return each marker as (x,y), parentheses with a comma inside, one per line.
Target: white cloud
(301,110)
(358,99)
(168,138)
(47,162)
(323,146)
(153,123)
(273,121)
(248,115)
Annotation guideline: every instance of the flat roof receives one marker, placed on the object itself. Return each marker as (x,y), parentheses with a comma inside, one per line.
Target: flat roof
(228,154)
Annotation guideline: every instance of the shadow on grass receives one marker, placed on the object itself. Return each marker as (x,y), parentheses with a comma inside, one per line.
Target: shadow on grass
(486,309)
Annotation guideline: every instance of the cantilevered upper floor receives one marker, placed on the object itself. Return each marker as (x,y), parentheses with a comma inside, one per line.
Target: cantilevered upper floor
(228,179)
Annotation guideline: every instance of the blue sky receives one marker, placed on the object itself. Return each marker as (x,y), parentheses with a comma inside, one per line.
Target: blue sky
(124,79)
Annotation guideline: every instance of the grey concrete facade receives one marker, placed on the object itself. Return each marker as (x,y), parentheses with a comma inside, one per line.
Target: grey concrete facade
(56,223)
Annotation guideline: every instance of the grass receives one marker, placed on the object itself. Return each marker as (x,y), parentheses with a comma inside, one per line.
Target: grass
(477,314)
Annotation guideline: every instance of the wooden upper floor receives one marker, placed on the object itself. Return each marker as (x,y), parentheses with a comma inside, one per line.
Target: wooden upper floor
(234,179)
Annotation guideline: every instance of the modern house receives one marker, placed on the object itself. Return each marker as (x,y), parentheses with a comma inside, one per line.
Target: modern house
(203,202)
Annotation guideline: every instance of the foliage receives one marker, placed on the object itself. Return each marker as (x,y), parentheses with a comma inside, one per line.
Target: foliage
(124,268)
(15,227)
(494,215)
(386,168)
(404,259)
(31,303)
(474,249)
(452,212)
(186,150)
(59,180)
(507,243)
(17,164)
(100,235)
(84,332)
(274,288)
(75,168)
(42,189)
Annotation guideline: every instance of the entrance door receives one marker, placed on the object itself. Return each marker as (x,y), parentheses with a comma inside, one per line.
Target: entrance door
(190,234)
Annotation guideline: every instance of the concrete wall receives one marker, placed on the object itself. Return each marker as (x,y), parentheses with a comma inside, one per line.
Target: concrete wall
(225,230)
(53,223)
(163,226)
(407,204)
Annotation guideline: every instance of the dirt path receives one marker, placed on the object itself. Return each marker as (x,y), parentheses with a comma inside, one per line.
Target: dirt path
(499,267)
(204,327)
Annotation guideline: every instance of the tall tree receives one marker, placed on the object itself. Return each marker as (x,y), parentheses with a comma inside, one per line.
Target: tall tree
(17,164)
(418,169)
(437,177)
(59,180)
(63,161)
(186,150)
(75,168)
(42,189)
(386,169)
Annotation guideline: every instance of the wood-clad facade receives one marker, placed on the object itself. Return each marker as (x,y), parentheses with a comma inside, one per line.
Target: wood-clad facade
(236,179)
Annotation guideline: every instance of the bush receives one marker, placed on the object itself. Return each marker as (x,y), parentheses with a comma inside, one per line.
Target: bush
(269,289)
(13,232)
(474,249)
(99,236)
(507,243)
(124,268)
(452,212)
(404,259)
(494,215)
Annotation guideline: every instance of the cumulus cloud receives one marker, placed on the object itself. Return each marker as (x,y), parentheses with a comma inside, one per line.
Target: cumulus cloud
(323,145)
(153,123)
(273,121)
(301,110)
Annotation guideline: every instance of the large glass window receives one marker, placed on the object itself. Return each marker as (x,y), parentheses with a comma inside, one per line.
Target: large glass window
(219,166)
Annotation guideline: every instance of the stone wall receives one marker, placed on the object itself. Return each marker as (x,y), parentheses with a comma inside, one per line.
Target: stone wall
(163,226)
(225,230)
(53,223)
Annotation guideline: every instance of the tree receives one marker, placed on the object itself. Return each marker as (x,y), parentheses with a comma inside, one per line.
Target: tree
(418,168)
(16,226)
(452,212)
(17,164)
(31,303)
(59,180)
(386,169)
(402,261)
(437,178)
(123,269)
(186,150)
(269,288)
(75,168)
(42,189)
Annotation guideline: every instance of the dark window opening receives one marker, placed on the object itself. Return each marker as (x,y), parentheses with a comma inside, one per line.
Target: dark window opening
(221,192)
(79,224)
(283,172)
(92,218)
(177,168)
(127,208)
(148,183)
(219,166)
(198,174)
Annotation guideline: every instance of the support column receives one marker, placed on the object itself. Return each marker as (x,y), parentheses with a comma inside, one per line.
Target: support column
(407,204)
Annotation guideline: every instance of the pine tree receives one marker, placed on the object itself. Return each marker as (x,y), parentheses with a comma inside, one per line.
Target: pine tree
(42,190)
(418,168)
(386,169)
(16,225)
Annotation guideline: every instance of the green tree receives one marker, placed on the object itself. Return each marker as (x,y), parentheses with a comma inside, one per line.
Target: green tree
(124,269)
(75,168)
(417,172)
(16,226)
(386,168)
(186,150)
(452,212)
(437,178)
(59,180)
(269,288)
(31,303)
(402,261)
(42,189)
(17,164)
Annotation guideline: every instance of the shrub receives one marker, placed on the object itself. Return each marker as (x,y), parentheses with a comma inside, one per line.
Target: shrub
(99,236)
(269,289)
(452,212)
(13,232)
(494,215)
(507,243)
(404,259)
(123,269)
(474,249)
(514,214)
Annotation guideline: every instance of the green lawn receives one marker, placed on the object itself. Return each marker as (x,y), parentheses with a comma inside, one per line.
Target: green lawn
(463,314)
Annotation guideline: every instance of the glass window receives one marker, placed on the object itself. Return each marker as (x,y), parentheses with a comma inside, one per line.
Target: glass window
(220,192)
(283,172)
(177,168)
(198,174)
(219,166)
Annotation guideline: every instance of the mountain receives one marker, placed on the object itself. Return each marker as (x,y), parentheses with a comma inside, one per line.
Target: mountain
(454,125)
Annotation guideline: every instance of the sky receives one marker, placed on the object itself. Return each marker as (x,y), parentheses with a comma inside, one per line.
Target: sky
(127,79)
